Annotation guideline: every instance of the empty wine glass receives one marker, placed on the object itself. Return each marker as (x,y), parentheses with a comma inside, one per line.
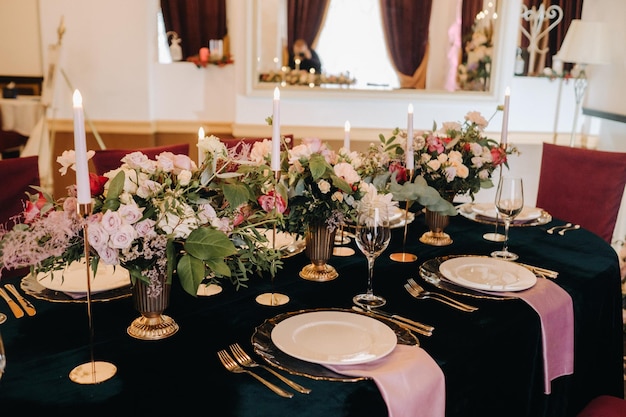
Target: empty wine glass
(509,203)
(3,358)
(372,238)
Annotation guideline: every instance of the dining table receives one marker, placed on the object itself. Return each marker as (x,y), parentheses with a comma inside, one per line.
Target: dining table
(491,358)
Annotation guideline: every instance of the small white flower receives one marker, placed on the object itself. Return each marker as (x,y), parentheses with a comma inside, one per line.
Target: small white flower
(324,186)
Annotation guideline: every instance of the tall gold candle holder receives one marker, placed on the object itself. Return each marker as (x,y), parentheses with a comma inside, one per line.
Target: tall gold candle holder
(405,256)
(495,236)
(92,372)
(273,298)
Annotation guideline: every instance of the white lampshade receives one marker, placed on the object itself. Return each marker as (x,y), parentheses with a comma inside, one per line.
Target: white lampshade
(586,43)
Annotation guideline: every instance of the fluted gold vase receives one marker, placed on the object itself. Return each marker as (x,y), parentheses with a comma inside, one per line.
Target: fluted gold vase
(151,299)
(436,223)
(319,241)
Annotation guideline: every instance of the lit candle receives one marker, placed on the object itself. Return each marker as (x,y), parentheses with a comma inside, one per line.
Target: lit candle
(346,136)
(410,162)
(201,153)
(276,131)
(83,192)
(505,117)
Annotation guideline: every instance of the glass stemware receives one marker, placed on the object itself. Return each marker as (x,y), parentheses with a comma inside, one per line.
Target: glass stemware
(3,358)
(372,238)
(509,203)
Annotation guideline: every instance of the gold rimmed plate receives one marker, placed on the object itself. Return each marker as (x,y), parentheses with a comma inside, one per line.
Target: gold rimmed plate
(482,213)
(33,288)
(266,349)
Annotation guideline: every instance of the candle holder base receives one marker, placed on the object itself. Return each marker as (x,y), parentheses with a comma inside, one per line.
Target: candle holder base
(92,373)
(403,257)
(272,299)
(494,237)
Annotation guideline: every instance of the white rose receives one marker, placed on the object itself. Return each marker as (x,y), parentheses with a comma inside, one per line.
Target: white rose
(97,236)
(178,226)
(337,196)
(108,255)
(324,186)
(462,171)
(149,189)
(131,213)
(260,151)
(145,228)
(184,177)
(455,157)
(111,221)
(123,237)
(347,172)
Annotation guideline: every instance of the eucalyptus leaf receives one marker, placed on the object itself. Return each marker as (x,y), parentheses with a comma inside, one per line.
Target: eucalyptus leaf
(236,193)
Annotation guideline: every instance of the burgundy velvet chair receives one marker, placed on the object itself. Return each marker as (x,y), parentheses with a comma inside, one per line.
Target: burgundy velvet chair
(604,406)
(237,142)
(582,186)
(106,160)
(18,175)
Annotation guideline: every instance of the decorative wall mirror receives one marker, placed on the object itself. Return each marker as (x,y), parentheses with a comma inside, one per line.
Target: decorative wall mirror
(448,54)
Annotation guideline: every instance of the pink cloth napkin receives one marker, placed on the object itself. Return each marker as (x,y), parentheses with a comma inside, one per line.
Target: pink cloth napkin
(409,380)
(556,312)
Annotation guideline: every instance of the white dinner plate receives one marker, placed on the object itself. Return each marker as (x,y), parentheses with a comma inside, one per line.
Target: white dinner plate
(73,279)
(488,274)
(395,213)
(283,239)
(334,338)
(489,210)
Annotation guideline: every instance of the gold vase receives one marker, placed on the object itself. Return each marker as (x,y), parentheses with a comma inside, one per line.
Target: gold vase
(319,241)
(436,223)
(151,299)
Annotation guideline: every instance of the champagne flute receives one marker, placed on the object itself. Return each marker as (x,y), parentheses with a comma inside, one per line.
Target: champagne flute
(509,203)
(372,238)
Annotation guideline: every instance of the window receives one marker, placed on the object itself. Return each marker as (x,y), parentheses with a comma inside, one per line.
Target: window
(355,26)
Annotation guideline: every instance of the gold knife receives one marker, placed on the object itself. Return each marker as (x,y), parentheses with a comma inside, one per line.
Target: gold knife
(26,305)
(17,311)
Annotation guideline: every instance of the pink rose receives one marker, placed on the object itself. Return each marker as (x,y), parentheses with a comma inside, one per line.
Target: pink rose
(271,201)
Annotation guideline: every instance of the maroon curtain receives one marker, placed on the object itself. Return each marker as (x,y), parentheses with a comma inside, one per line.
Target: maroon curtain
(572,9)
(469,10)
(405,23)
(304,20)
(195,21)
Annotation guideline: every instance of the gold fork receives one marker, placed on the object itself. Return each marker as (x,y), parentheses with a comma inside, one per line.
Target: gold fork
(418,292)
(245,360)
(230,364)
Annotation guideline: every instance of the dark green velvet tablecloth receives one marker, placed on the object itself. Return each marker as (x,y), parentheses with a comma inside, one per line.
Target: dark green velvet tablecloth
(491,359)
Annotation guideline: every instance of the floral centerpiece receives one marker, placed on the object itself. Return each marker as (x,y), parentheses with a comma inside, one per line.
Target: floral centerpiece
(321,186)
(201,222)
(457,158)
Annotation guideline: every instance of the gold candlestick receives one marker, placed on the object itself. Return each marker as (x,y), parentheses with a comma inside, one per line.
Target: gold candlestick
(92,372)
(272,298)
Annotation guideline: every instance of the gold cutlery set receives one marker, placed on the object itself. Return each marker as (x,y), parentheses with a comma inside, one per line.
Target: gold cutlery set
(563,228)
(240,361)
(18,311)
(418,292)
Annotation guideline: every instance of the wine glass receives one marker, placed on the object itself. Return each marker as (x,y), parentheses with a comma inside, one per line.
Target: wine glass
(3,357)
(509,203)
(372,238)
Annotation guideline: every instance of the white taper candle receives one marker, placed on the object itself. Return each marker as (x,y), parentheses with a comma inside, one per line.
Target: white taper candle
(410,157)
(83,191)
(346,136)
(505,117)
(276,131)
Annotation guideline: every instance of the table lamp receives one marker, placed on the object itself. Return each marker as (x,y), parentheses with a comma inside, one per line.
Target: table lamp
(585,43)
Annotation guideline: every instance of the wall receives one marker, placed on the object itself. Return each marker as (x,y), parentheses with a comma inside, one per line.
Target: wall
(110,54)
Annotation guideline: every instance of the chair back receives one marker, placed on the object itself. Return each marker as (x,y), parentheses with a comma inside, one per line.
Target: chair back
(18,174)
(106,160)
(237,143)
(582,186)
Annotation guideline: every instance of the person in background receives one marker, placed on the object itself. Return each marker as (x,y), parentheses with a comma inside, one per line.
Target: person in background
(308,57)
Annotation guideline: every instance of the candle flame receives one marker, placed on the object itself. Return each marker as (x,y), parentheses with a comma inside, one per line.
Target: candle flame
(77,99)
(201,133)
(411,108)
(347,126)
(276,93)
(507,92)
